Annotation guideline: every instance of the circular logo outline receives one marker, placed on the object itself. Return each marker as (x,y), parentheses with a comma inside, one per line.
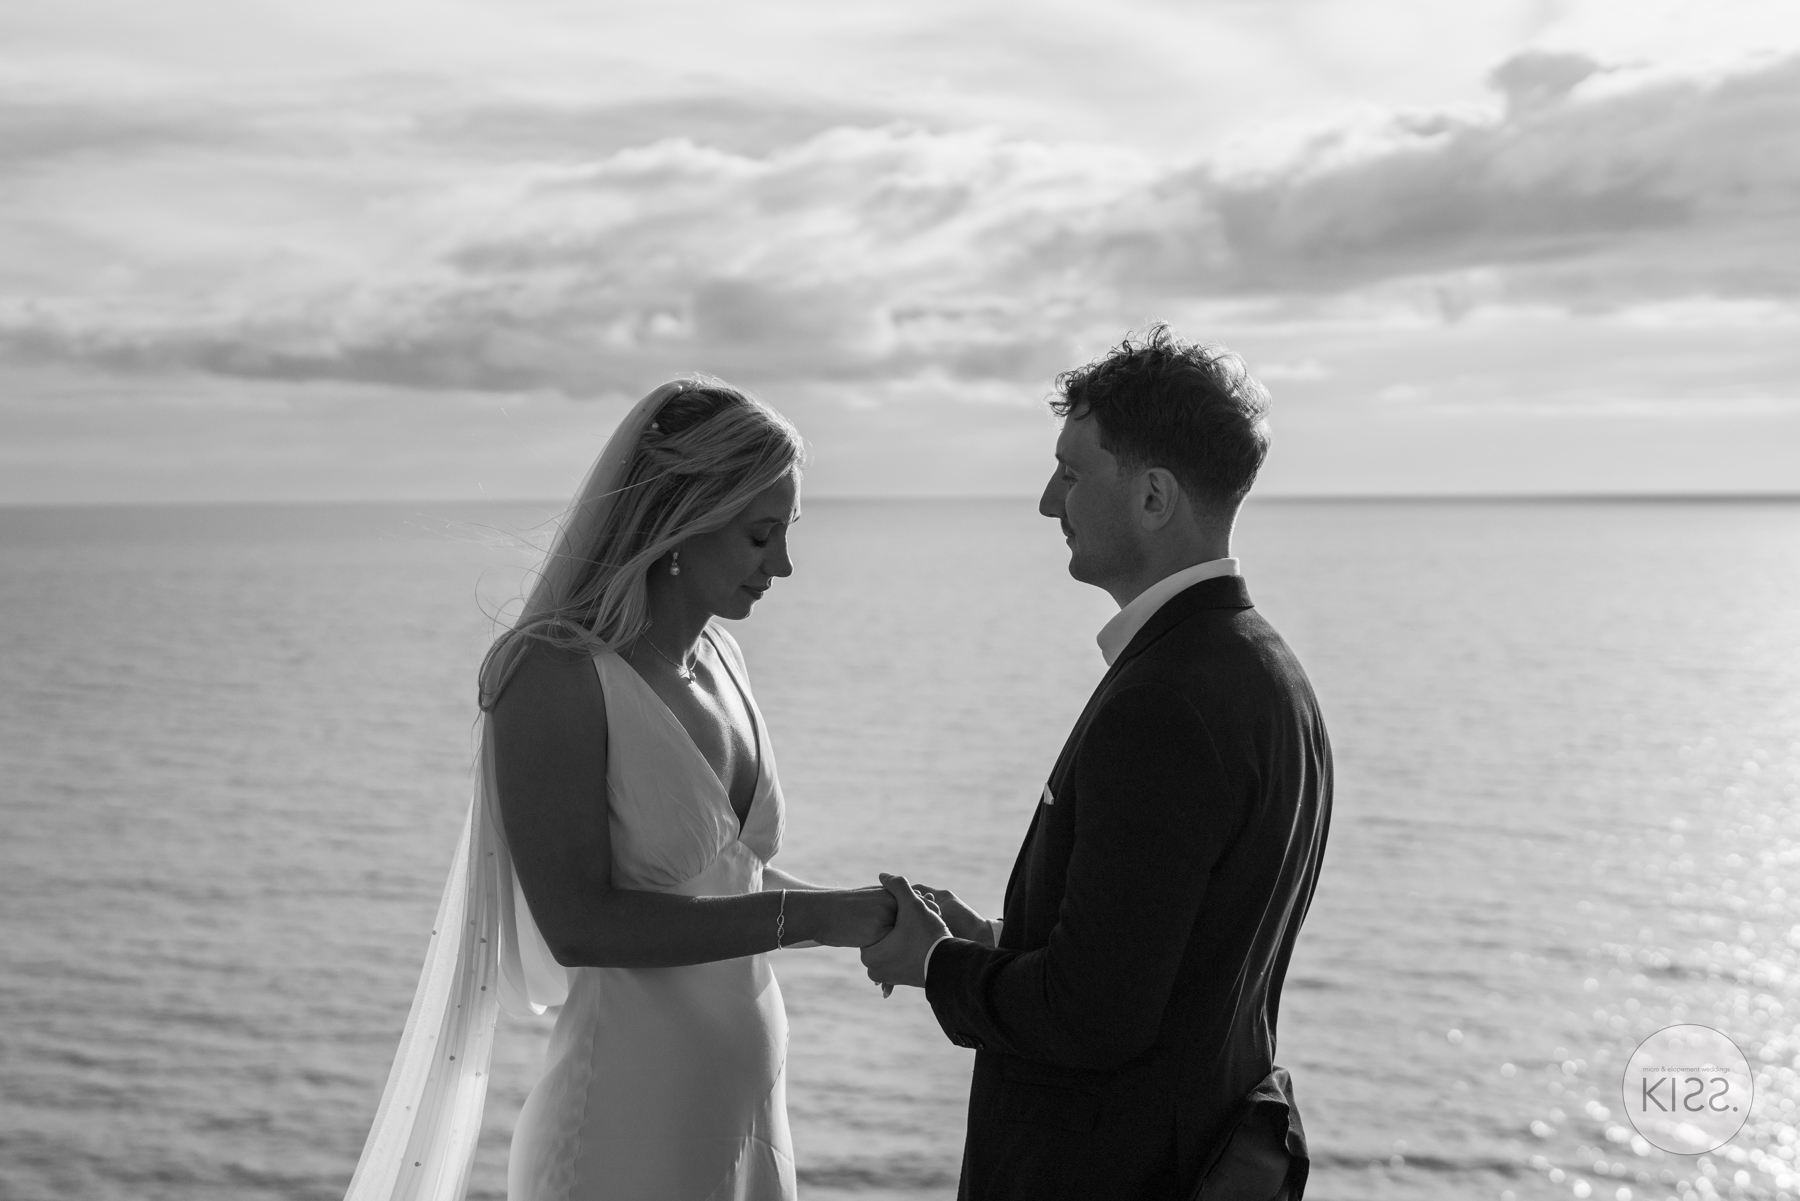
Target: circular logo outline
(1668,1103)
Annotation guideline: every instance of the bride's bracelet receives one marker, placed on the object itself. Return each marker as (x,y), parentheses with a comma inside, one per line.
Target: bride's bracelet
(781,919)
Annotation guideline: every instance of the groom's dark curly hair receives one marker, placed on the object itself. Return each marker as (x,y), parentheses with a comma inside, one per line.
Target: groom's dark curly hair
(1191,409)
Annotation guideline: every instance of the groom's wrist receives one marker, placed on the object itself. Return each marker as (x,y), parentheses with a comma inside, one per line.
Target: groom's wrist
(925,968)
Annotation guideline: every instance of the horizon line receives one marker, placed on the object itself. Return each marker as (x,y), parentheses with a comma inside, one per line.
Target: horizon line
(1713,497)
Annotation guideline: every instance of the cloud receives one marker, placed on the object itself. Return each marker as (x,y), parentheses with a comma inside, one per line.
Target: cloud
(545,131)
(1583,188)
(854,253)
(34,130)
(588,250)
(1537,79)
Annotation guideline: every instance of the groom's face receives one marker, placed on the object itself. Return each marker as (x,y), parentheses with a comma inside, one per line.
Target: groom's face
(1092,499)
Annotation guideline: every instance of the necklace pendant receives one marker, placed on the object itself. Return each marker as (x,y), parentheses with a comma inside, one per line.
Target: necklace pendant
(684,670)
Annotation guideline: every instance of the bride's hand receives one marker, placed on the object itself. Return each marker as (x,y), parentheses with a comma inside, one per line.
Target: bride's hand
(963,921)
(850,917)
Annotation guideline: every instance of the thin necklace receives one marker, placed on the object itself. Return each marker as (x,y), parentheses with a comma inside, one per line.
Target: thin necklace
(686,673)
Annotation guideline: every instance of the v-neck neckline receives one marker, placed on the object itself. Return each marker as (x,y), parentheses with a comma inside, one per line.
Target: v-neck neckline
(687,735)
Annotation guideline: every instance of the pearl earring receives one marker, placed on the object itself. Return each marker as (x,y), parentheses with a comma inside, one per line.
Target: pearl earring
(675,562)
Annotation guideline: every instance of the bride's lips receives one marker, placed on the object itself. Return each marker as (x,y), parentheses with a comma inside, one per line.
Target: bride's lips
(756,592)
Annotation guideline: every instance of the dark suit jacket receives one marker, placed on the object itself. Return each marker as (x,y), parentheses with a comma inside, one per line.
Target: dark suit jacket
(1126,1022)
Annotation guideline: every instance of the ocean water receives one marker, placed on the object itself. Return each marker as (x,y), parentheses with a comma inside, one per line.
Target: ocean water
(234,746)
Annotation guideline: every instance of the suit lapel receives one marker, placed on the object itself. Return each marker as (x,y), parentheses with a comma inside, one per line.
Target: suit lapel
(1220,592)
(1087,712)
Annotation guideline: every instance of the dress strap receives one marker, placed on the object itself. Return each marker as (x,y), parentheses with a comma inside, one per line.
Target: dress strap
(749,704)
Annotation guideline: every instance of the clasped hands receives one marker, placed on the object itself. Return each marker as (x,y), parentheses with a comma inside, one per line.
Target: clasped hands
(923,915)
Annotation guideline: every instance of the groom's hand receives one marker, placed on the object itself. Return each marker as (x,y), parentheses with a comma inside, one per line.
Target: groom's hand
(963,921)
(900,957)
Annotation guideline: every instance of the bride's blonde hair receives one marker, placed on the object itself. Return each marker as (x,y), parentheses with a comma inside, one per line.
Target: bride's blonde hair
(709,450)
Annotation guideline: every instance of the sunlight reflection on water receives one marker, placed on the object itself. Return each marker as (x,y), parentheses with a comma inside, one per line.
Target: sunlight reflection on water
(1568,742)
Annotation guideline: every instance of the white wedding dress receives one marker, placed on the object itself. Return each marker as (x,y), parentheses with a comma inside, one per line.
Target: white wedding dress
(667,1084)
(664,1084)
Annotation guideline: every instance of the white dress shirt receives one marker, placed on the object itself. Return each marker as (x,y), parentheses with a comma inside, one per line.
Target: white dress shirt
(1117,634)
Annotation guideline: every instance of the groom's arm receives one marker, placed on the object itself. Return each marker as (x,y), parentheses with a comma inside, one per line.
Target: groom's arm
(1155,811)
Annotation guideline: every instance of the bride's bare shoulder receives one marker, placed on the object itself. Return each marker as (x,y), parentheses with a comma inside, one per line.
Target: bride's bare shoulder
(546,680)
(550,742)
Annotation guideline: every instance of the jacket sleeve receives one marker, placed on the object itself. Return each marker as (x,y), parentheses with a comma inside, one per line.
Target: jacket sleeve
(1155,812)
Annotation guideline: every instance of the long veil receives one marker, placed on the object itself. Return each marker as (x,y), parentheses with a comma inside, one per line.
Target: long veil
(485,952)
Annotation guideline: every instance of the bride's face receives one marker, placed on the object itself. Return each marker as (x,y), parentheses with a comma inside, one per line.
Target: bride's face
(728,570)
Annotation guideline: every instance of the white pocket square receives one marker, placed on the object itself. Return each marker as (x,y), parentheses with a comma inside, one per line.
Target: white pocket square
(1049,798)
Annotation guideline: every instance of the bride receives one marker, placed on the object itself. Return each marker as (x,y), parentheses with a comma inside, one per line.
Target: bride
(615,861)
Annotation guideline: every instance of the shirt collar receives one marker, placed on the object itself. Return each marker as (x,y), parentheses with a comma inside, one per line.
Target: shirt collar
(1117,634)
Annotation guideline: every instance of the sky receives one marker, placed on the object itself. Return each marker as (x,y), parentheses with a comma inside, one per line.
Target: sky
(283,250)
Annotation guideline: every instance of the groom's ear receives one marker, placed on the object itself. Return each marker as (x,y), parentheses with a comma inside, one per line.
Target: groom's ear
(1158,496)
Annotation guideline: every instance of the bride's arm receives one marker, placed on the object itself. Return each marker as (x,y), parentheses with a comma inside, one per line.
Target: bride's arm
(550,761)
(774,878)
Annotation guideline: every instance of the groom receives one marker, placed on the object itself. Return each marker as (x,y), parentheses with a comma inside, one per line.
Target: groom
(1122,1013)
